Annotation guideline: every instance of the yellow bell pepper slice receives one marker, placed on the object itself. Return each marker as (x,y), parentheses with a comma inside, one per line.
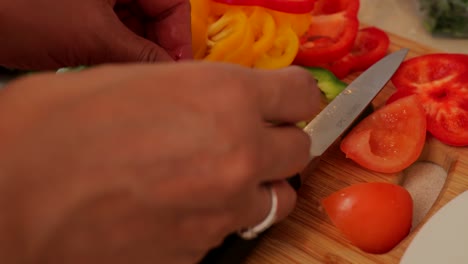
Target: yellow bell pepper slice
(244,54)
(199,36)
(264,30)
(200,10)
(282,53)
(230,38)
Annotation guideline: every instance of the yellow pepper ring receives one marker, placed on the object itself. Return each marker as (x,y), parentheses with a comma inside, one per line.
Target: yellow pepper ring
(282,53)
(200,8)
(227,36)
(243,55)
(199,36)
(264,29)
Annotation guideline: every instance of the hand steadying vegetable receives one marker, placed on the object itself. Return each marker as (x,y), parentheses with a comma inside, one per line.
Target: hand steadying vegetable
(49,34)
(133,164)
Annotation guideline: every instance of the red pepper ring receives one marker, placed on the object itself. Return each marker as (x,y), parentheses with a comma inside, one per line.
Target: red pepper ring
(331,34)
(370,46)
(286,6)
(334,6)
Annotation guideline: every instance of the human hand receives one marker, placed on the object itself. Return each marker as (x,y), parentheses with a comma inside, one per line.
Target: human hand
(146,163)
(49,34)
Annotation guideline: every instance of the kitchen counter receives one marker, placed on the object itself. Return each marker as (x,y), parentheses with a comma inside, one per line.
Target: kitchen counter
(402,17)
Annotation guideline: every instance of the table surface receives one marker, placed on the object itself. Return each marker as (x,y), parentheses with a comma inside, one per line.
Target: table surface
(402,17)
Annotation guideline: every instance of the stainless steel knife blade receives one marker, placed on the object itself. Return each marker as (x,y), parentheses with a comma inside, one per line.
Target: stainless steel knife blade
(340,113)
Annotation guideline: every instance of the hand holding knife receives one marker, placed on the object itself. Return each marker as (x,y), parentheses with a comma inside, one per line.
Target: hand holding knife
(323,130)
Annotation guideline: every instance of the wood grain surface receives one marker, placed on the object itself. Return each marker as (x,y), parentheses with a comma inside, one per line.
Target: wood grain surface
(307,235)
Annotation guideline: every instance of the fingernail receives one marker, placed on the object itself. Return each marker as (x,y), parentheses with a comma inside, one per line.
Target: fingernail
(183,53)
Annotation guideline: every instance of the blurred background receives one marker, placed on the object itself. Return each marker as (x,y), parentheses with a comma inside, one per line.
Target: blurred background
(404,18)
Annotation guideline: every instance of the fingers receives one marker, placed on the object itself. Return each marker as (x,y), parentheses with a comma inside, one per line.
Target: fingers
(126,46)
(170,26)
(261,205)
(148,31)
(288,95)
(285,152)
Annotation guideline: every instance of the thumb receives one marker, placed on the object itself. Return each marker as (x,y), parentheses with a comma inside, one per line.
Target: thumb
(126,46)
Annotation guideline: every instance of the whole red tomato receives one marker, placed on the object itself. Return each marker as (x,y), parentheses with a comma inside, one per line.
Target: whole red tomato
(375,216)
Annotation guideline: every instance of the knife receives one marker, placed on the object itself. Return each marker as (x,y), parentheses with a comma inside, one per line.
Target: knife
(323,131)
(339,114)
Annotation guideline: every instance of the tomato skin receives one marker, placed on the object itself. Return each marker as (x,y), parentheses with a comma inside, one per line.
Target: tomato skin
(390,139)
(331,34)
(440,82)
(287,6)
(374,216)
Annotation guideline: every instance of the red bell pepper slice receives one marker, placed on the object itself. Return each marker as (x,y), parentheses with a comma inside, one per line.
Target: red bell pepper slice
(440,82)
(331,34)
(287,6)
(370,46)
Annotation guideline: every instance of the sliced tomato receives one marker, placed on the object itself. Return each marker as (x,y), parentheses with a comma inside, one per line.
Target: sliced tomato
(331,33)
(370,46)
(440,82)
(390,139)
(375,216)
(287,6)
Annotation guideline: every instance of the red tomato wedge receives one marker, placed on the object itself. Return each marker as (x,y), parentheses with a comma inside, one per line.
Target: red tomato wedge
(331,34)
(390,139)
(370,46)
(374,216)
(286,6)
(440,81)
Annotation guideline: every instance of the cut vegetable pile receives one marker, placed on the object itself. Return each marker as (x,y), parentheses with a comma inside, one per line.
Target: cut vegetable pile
(272,34)
(249,35)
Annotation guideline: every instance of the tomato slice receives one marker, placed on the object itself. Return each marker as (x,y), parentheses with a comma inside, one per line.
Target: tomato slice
(370,46)
(331,33)
(287,6)
(374,216)
(390,139)
(440,82)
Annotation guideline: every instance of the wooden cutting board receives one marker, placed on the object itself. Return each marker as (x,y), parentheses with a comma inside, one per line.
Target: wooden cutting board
(307,235)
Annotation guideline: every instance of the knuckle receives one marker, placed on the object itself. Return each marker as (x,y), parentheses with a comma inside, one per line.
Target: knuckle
(236,92)
(243,169)
(302,75)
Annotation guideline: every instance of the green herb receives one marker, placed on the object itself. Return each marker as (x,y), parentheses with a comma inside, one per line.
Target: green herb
(446,17)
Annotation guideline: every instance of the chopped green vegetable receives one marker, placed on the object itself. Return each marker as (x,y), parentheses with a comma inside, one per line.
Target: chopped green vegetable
(445,17)
(327,82)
